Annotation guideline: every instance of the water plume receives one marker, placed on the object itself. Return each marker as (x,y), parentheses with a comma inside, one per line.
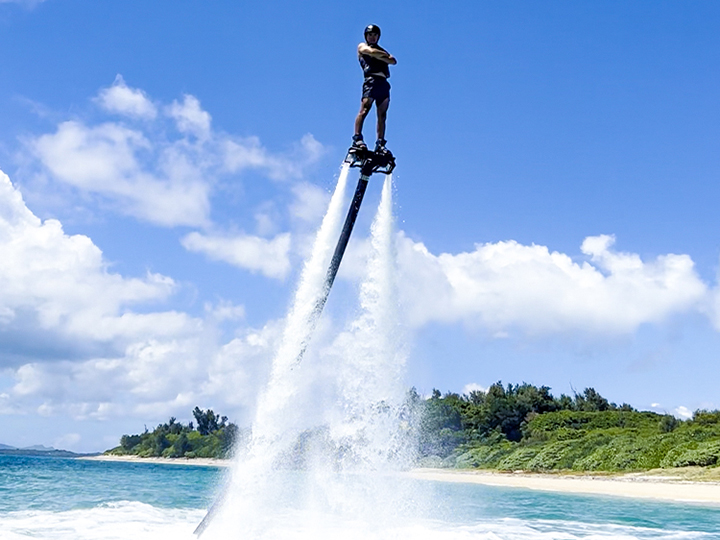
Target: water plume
(352,388)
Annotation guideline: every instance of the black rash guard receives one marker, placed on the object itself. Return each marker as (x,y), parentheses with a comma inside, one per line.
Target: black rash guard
(372,66)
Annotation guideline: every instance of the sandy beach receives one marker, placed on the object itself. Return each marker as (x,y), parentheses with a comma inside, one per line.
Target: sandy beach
(202,462)
(682,485)
(672,486)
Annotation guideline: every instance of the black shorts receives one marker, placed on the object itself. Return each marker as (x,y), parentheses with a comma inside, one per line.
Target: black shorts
(376,88)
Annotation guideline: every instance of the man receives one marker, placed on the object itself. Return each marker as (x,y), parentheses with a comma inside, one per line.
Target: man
(375,62)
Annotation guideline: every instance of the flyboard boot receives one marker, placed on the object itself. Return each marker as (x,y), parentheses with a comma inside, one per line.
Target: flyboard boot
(358,143)
(380,147)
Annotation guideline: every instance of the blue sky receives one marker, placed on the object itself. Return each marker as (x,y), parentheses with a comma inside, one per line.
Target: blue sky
(168,163)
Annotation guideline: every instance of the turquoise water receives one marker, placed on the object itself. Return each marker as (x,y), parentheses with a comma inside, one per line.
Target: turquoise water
(53,498)
(60,484)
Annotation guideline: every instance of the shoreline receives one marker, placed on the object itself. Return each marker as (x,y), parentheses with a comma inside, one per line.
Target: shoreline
(634,485)
(689,485)
(198,462)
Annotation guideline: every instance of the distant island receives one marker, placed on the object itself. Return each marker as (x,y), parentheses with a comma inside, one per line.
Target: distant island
(506,428)
(40,450)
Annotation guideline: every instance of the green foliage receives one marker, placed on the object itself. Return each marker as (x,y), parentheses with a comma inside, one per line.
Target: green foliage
(706,418)
(128,442)
(484,457)
(207,421)
(700,454)
(518,459)
(213,438)
(523,427)
(513,427)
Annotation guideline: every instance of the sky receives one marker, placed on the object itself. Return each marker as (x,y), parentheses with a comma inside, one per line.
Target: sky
(165,166)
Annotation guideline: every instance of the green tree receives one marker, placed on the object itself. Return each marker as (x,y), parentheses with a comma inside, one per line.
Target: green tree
(590,400)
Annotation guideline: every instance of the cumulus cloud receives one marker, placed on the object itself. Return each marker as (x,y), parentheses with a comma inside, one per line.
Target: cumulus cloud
(56,288)
(59,284)
(121,99)
(506,285)
(269,257)
(190,117)
(159,173)
(106,160)
(151,380)
(683,413)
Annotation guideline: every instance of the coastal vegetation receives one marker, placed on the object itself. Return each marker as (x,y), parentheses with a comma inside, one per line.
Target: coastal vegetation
(513,427)
(211,437)
(524,427)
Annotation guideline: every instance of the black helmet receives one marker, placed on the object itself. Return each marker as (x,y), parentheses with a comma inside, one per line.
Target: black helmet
(372,28)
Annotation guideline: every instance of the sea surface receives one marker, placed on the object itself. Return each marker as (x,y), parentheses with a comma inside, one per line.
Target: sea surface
(71,499)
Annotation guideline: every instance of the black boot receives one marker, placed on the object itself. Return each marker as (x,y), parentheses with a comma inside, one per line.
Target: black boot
(358,142)
(380,146)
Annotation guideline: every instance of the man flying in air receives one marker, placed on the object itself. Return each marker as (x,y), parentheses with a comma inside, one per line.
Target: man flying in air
(375,62)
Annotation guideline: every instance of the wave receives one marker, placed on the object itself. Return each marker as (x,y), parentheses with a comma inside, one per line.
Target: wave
(124,520)
(128,520)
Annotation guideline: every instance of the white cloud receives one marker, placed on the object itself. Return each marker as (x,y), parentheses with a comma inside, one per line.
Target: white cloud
(155,173)
(59,284)
(225,311)
(105,159)
(121,99)
(507,285)
(151,380)
(683,412)
(190,117)
(239,368)
(310,202)
(269,257)
(473,387)
(240,154)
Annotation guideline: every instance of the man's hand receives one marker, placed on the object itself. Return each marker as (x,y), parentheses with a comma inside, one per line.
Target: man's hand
(380,54)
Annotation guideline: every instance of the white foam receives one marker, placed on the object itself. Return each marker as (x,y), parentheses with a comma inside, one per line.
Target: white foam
(113,521)
(137,521)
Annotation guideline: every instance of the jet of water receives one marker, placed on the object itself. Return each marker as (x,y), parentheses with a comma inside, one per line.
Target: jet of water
(347,460)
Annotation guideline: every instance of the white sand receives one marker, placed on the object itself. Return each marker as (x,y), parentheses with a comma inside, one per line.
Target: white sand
(629,485)
(204,462)
(637,485)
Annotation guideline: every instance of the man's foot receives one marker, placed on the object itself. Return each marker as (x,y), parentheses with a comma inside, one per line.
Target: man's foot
(380,146)
(358,142)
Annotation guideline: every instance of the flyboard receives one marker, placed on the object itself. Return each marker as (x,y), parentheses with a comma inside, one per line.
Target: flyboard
(368,162)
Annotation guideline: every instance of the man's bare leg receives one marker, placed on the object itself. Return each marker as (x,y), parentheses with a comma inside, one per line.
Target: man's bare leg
(381,110)
(365,106)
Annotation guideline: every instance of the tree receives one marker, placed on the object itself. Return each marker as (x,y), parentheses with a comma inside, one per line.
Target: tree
(128,442)
(207,422)
(590,400)
(180,446)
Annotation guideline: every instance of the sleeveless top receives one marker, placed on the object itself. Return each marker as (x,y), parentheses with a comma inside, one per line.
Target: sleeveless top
(372,65)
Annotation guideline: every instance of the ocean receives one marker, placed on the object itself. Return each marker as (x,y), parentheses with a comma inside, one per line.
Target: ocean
(70,499)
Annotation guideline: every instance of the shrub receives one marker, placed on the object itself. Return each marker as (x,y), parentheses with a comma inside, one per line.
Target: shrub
(484,457)
(698,454)
(519,459)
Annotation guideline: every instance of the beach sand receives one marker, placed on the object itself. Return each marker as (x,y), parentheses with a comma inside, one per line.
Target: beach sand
(661,485)
(691,484)
(202,462)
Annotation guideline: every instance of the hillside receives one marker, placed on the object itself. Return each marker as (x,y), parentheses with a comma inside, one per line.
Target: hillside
(523,427)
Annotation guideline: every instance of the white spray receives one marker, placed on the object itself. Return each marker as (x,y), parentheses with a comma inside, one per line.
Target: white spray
(348,458)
